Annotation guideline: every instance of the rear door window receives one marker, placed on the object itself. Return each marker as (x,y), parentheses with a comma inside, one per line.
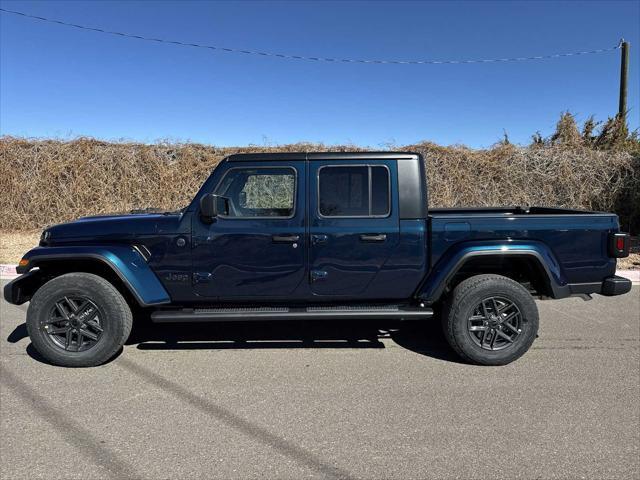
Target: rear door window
(354,191)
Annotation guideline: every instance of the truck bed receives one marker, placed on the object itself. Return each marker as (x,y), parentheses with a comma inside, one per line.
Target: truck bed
(577,238)
(512,211)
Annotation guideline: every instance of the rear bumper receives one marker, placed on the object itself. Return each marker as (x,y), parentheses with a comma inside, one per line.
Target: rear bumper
(616,286)
(611,286)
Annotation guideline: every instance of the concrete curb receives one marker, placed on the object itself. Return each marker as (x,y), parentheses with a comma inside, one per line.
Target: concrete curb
(8,272)
(633,275)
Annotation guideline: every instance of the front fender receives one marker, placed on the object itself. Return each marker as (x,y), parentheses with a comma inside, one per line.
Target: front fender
(444,271)
(125,261)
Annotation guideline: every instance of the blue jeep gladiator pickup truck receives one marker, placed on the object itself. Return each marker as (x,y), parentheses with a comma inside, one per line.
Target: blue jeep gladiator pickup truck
(314,236)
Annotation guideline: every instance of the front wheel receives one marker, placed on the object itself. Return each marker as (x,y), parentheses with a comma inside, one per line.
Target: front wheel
(490,320)
(78,320)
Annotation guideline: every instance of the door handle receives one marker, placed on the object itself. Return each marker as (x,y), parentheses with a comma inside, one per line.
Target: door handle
(373,237)
(285,238)
(318,238)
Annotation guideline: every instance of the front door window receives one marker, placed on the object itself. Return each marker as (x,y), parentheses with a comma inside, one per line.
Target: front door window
(259,192)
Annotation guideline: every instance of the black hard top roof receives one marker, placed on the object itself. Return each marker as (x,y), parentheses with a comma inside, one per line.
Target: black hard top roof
(252,157)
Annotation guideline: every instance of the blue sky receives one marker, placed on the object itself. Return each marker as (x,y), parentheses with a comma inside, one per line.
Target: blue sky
(62,82)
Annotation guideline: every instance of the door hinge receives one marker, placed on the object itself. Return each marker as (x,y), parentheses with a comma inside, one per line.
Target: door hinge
(318,238)
(202,277)
(317,275)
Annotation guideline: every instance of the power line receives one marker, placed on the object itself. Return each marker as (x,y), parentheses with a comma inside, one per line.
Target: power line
(300,57)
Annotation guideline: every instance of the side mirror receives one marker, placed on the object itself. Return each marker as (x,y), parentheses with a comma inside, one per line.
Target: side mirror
(213,205)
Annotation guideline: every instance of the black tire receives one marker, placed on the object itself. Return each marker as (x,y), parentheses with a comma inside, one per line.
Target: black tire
(106,307)
(466,306)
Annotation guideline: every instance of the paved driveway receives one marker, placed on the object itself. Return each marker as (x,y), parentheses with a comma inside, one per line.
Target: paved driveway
(330,401)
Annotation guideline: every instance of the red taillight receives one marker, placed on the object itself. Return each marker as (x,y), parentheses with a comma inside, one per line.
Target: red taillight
(618,245)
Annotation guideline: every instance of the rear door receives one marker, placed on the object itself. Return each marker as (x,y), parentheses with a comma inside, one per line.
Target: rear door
(353,223)
(258,248)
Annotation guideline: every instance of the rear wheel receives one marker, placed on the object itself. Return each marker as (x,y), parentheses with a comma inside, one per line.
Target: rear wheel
(490,320)
(78,320)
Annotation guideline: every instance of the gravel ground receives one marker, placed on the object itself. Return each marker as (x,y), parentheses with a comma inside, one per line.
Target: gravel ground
(15,244)
(330,400)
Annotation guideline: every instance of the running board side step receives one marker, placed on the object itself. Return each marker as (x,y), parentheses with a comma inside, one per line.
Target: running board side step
(286,313)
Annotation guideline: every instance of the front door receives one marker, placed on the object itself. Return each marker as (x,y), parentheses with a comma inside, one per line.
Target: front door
(353,224)
(258,248)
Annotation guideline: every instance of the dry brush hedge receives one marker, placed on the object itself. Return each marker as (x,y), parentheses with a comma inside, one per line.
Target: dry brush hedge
(49,181)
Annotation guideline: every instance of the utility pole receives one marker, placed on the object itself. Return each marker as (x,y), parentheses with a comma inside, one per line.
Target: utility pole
(624,68)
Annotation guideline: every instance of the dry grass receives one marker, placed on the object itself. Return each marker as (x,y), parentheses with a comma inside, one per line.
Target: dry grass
(45,182)
(15,244)
(49,181)
(632,262)
(559,176)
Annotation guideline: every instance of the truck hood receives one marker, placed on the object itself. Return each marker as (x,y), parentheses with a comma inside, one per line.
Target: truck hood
(118,227)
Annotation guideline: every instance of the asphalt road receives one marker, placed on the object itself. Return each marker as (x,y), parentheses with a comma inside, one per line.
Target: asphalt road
(330,401)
